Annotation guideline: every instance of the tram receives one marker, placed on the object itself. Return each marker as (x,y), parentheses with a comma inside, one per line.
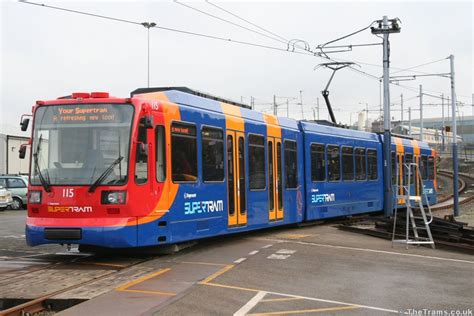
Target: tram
(169,165)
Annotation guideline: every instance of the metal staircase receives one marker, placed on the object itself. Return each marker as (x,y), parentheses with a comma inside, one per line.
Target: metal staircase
(404,195)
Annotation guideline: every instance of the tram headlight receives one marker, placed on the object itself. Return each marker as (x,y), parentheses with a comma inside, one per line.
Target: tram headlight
(34,197)
(114,197)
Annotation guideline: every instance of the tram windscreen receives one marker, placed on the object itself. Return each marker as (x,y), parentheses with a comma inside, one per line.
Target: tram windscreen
(75,144)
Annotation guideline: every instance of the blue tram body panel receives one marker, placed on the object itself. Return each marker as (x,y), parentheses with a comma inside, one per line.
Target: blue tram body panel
(186,219)
(201,209)
(402,147)
(325,199)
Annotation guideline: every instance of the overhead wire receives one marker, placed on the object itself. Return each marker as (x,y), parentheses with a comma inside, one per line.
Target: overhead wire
(80,12)
(245,42)
(418,66)
(229,22)
(230,40)
(247,21)
(321,47)
(295,43)
(290,43)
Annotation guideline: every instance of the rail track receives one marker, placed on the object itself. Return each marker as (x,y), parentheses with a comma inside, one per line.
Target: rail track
(465,184)
(85,262)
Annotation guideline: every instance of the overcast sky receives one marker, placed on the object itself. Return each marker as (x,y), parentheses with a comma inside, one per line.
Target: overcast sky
(48,53)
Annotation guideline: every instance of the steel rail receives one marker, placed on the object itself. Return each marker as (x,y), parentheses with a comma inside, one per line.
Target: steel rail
(37,305)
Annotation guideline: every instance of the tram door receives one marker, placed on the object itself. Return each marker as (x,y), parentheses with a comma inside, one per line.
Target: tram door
(401,169)
(275,185)
(236,190)
(417,178)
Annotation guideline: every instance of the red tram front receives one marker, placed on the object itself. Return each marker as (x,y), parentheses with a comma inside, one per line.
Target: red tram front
(89,166)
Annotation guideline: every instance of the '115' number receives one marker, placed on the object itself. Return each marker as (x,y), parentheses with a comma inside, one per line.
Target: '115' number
(68,193)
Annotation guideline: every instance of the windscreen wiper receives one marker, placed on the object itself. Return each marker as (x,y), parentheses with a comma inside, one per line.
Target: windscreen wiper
(44,182)
(104,174)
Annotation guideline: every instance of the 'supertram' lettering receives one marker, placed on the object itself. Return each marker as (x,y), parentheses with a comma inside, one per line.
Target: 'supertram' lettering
(201,207)
(321,198)
(69,209)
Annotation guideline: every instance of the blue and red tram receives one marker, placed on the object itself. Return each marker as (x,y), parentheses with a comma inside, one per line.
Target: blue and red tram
(169,165)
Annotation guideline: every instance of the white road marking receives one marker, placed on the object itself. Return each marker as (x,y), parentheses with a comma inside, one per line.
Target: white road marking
(253,252)
(24,262)
(383,251)
(240,260)
(13,237)
(250,304)
(70,253)
(267,246)
(334,302)
(366,250)
(279,257)
(286,251)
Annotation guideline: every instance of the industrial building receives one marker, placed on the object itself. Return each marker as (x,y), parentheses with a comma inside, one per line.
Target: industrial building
(465,127)
(10,163)
(434,137)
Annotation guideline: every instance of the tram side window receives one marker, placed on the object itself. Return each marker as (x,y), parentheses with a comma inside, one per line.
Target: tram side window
(372,164)
(141,160)
(183,152)
(212,154)
(318,163)
(291,172)
(360,161)
(334,163)
(347,163)
(424,167)
(160,153)
(408,161)
(431,168)
(394,167)
(257,178)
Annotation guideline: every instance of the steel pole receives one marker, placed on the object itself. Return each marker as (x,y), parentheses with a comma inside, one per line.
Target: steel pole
(455,141)
(287,108)
(447,109)
(409,121)
(401,103)
(387,144)
(443,123)
(148,56)
(380,98)
(421,112)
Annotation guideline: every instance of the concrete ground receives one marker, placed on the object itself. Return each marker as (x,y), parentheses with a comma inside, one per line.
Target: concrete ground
(316,269)
(311,270)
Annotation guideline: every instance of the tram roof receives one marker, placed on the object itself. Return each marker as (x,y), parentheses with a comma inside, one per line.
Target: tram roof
(186,96)
(313,127)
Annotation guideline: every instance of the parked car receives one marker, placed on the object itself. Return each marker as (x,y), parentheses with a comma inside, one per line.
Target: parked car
(5,198)
(18,188)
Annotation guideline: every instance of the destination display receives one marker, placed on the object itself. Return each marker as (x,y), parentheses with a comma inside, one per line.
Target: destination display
(183,129)
(88,113)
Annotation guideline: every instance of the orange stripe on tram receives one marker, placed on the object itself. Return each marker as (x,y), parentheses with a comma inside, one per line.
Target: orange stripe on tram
(171,113)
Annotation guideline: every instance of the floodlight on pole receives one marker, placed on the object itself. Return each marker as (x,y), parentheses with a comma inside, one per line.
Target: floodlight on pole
(386,27)
(148,25)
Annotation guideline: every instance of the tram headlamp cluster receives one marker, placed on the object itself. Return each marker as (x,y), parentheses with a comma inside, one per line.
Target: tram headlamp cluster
(34,197)
(114,197)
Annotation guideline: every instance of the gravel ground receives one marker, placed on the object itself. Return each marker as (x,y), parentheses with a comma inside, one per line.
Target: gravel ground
(466,211)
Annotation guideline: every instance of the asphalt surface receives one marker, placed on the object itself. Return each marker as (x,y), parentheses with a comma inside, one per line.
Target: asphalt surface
(12,236)
(311,270)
